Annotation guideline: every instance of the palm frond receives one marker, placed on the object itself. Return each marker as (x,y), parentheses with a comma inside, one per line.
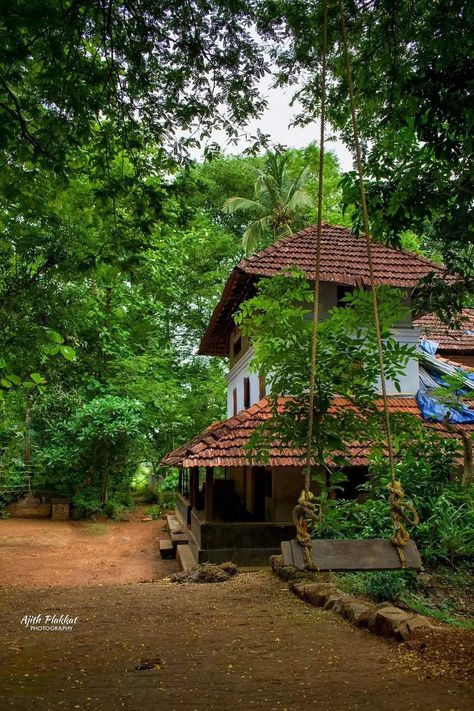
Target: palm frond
(299,182)
(255,233)
(300,199)
(240,204)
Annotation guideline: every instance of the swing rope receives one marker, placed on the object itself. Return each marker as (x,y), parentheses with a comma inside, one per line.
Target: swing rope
(305,510)
(400,510)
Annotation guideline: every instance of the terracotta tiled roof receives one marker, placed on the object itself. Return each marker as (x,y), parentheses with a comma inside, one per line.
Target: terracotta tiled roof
(450,340)
(223,443)
(343,261)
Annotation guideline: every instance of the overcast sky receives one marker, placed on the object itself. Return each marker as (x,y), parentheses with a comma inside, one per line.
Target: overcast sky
(275,121)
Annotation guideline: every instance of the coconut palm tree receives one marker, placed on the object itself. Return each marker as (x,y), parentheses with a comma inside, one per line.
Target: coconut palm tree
(278,199)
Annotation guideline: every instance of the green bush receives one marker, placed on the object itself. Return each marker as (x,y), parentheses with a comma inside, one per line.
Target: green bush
(351,519)
(165,500)
(426,462)
(447,535)
(386,585)
(86,505)
(390,585)
(170,482)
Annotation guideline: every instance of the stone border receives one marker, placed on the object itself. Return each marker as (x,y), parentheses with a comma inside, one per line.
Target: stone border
(383,619)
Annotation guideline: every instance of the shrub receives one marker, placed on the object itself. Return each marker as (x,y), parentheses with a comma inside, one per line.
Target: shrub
(170,481)
(448,534)
(390,585)
(164,500)
(386,585)
(86,505)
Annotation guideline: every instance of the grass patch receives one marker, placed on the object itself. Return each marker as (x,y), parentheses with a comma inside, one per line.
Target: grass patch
(96,529)
(446,594)
(444,611)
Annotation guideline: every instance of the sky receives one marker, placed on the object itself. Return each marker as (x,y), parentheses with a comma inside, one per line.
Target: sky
(275,121)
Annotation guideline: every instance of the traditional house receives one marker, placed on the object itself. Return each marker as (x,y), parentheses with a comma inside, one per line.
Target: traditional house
(234,509)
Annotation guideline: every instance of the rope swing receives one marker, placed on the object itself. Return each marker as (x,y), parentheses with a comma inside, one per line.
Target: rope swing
(305,511)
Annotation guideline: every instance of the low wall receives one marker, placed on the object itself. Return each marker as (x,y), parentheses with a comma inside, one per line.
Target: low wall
(246,544)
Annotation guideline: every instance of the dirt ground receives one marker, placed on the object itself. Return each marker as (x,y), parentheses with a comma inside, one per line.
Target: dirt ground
(43,553)
(244,644)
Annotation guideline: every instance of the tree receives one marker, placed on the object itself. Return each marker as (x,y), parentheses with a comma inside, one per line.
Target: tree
(277,201)
(276,322)
(412,63)
(68,70)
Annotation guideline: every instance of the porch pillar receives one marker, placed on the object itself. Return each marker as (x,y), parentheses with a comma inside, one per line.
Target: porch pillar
(209,495)
(194,488)
(180,481)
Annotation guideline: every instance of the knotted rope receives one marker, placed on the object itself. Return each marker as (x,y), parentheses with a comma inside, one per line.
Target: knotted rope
(304,513)
(402,511)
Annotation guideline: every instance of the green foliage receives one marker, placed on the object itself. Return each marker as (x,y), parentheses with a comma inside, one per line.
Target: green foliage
(390,585)
(86,504)
(284,197)
(170,482)
(165,501)
(130,74)
(447,534)
(446,531)
(277,201)
(93,446)
(411,66)
(278,322)
(443,610)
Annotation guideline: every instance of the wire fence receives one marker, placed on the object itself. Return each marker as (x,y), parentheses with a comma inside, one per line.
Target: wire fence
(21,481)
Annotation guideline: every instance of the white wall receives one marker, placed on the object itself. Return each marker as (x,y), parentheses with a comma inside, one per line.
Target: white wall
(409,382)
(235,379)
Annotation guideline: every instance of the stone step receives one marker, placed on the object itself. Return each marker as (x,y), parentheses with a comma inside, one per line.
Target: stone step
(179,534)
(167,549)
(185,558)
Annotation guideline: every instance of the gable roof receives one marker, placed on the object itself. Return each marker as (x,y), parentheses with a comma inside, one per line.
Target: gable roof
(450,340)
(223,443)
(343,261)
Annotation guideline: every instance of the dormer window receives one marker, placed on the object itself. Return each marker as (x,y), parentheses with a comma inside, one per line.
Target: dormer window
(237,347)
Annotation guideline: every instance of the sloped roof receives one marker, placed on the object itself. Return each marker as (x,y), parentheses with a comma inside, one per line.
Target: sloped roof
(343,261)
(223,443)
(450,340)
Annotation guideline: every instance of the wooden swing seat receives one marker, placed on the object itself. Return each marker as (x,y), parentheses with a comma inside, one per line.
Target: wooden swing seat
(346,555)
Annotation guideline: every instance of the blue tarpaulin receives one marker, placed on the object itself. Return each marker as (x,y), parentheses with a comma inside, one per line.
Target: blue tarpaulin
(429,347)
(432,410)
(429,406)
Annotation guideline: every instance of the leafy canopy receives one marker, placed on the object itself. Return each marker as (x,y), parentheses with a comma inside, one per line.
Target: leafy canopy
(279,324)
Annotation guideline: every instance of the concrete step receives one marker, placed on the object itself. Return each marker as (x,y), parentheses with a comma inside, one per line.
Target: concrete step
(185,558)
(179,535)
(167,549)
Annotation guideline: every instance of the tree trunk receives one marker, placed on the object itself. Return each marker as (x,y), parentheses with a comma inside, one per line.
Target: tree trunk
(27,442)
(105,487)
(468,473)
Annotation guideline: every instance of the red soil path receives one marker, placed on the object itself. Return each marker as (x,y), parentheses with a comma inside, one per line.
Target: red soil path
(43,553)
(245,644)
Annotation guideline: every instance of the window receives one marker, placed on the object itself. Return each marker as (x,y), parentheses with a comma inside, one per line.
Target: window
(342,291)
(237,347)
(234,400)
(246,392)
